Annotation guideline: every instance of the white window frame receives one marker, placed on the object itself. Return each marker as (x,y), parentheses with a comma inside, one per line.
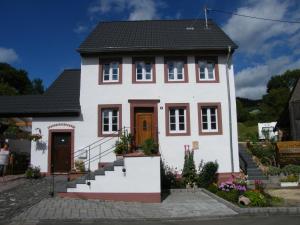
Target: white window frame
(209,119)
(205,63)
(144,73)
(110,121)
(110,74)
(177,130)
(175,63)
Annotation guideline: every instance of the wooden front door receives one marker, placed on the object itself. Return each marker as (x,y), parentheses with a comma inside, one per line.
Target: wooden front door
(61,151)
(144,127)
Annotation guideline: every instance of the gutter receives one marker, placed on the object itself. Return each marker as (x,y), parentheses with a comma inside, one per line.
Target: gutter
(229,108)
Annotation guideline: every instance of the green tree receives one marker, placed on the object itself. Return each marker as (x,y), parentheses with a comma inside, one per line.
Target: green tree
(5,89)
(16,82)
(37,86)
(242,112)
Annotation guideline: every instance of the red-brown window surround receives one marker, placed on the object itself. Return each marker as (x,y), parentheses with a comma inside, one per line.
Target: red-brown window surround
(103,61)
(109,106)
(217,105)
(146,60)
(211,59)
(169,106)
(185,68)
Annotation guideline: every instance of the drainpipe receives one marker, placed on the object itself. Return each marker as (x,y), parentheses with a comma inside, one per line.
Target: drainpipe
(229,108)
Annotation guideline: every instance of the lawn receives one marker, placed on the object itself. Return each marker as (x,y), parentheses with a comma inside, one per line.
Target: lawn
(246,132)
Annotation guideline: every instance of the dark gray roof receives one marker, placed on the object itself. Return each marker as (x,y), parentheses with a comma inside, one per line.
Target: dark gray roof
(296,92)
(155,35)
(61,99)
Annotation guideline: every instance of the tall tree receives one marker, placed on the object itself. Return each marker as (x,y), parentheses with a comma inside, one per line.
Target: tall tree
(37,86)
(16,82)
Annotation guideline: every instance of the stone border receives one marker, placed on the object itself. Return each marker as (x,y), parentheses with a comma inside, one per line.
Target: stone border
(255,210)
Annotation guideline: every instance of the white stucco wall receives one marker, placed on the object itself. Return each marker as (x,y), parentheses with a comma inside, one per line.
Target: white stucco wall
(211,148)
(142,176)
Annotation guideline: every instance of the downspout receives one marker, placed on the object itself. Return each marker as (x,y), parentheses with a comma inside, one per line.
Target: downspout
(229,108)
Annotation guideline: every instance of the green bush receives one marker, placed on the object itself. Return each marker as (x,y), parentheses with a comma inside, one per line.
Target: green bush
(189,173)
(169,178)
(290,178)
(213,188)
(291,169)
(256,198)
(150,147)
(208,174)
(266,154)
(273,171)
(124,144)
(33,173)
(231,196)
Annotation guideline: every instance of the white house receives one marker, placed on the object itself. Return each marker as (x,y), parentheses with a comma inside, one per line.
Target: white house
(169,80)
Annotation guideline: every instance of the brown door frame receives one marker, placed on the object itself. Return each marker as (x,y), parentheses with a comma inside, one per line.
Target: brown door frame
(50,146)
(147,103)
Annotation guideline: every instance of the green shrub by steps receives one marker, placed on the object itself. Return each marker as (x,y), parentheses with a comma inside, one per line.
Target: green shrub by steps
(291,169)
(273,171)
(231,196)
(256,198)
(208,174)
(150,147)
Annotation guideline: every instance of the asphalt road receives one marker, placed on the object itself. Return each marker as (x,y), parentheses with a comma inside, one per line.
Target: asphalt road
(249,220)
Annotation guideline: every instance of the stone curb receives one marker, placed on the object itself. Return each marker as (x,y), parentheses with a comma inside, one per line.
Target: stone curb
(256,210)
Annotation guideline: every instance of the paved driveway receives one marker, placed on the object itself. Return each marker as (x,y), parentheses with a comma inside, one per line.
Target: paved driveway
(177,205)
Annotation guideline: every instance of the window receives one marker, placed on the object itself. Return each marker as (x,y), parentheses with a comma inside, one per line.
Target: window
(143,70)
(207,70)
(176,70)
(109,120)
(110,71)
(177,119)
(210,118)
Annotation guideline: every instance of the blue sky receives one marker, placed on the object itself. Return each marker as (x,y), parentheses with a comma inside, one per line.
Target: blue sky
(42,36)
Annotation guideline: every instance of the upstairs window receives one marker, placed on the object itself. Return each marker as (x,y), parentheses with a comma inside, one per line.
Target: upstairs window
(207,70)
(110,71)
(176,70)
(177,119)
(110,117)
(143,70)
(210,121)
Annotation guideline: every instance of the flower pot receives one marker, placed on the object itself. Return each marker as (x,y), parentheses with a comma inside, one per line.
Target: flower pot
(289,184)
(119,157)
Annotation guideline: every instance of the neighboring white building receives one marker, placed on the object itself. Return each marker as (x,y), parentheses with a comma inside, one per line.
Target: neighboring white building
(157,79)
(267,131)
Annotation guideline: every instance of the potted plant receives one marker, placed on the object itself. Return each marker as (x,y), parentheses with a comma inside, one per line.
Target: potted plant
(289,181)
(150,147)
(123,145)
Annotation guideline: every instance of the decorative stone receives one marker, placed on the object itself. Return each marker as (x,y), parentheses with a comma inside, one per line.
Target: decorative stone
(244,200)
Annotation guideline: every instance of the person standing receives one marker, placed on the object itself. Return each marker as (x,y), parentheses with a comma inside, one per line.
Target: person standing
(4,158)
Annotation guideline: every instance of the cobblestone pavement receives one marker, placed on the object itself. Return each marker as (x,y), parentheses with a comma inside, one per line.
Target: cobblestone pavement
(177,205)
(11,181)
(21,197)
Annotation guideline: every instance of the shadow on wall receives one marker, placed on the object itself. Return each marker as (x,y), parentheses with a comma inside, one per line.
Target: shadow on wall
(41,146)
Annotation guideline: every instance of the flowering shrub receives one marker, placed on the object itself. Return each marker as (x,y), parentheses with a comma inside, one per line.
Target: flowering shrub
(259,186)
(230,185)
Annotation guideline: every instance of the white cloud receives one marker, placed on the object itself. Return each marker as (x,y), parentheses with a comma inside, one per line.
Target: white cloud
(80,28)
(274,45)
(252,34)
(8,55)
(251,82)
(137,9)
